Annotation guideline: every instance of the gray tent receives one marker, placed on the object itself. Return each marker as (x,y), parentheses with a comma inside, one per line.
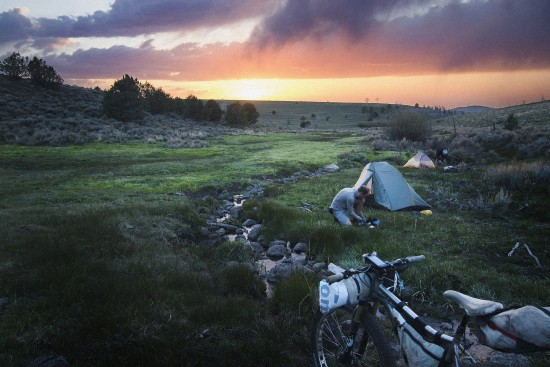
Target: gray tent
(390,188)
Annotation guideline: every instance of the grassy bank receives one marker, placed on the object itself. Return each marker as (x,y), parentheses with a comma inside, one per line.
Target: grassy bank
(101,258)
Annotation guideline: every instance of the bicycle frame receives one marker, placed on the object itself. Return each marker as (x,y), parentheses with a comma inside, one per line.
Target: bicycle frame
(400,314)
(395,308)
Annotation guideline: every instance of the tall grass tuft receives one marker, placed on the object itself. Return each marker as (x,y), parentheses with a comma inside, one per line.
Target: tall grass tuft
(534,176)
(296,294)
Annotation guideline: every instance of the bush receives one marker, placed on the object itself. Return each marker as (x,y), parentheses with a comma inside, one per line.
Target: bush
(193,108)
(238,115)
(156,100)
(124,100)
(411,125)
(212,111)
(511,122)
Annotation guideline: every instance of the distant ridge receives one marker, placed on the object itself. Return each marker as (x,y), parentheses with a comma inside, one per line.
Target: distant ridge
(471,109)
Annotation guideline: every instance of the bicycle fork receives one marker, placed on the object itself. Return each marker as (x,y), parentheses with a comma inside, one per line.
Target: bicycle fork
(347,357)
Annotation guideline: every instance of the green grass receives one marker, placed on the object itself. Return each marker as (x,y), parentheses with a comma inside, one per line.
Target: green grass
(100,258)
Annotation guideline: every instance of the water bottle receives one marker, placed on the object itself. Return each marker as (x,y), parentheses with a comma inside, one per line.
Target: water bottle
(346,291)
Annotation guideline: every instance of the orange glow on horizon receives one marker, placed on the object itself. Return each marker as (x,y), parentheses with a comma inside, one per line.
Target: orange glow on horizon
(496,89)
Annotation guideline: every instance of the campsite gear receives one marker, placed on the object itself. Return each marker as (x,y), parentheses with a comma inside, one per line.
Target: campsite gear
(517,330)
(346,332)
(390,188)
(426,212)
(420,160)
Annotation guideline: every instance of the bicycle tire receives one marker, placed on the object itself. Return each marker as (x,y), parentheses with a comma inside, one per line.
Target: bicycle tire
(371,347)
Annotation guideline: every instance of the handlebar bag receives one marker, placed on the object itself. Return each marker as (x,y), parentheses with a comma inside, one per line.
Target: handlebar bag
(520,330)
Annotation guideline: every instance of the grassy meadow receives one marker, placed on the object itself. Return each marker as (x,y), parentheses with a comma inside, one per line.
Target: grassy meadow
(102,259)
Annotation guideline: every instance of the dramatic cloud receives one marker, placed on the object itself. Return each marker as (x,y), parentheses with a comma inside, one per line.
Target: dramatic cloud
(297,38)
(497,34)
(133,17)
(14,26)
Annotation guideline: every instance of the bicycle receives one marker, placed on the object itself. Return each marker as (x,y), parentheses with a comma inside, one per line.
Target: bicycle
(349,334)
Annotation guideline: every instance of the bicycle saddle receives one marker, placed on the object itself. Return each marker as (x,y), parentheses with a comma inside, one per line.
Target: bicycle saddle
(473,306)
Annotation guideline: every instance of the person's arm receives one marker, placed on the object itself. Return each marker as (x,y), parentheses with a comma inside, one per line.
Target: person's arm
(351,208)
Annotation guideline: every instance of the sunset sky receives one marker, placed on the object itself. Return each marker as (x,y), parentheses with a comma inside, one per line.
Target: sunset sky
(447,53)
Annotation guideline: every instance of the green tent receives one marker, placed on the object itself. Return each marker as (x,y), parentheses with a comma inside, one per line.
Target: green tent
(390,188)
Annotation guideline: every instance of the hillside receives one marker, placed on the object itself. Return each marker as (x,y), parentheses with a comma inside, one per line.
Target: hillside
(32,115)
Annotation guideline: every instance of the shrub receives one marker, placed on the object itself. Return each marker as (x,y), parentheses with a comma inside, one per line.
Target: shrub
(238,115)
(156,100)
(511,122)
(124,100)
(251,114)
(15,66)
(212,111)
(411,125)
(193,108)
(533,176)
(501,202)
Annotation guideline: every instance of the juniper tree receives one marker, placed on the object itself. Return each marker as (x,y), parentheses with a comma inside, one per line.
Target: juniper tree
(15,66)
(124,100)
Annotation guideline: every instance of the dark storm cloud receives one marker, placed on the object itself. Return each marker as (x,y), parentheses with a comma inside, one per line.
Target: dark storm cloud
(454,34)
(296,20)
(134,17)
(14,26)
(302,38)
(481,34)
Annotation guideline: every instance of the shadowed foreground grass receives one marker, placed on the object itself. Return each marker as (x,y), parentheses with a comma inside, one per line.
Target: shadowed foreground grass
(100,262)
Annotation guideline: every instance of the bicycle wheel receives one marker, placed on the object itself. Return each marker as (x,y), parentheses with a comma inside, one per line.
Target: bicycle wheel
(330,335)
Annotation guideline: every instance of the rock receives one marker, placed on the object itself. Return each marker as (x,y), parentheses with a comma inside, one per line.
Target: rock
(276,251)
(330,168)
(299,259)
(283,270)
(249,223)
(240,238)
(257,248)
(229,227)
(279,272)
(235,212)
(277,243)
(317,267)
(300,247)
(254,232)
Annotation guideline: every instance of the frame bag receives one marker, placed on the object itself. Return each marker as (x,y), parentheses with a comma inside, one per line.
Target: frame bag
(417,351)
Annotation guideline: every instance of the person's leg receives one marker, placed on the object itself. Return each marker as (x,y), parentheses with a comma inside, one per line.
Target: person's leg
(342,218)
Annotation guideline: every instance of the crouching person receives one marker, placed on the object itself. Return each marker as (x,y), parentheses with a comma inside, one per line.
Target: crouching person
(345,203)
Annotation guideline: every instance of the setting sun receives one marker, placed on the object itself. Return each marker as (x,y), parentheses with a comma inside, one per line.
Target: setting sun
(250,90)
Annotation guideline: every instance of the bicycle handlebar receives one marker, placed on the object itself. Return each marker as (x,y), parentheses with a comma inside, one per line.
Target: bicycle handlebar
(335,278)
(378,263)
(413,259)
